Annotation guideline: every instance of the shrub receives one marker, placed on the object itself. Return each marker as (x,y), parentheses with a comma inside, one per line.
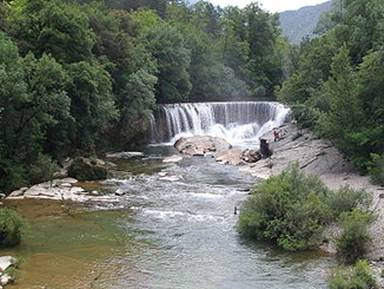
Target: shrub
(10,228)
(287,209)
(357,277)
(351,245)
(346,199)
(376,169)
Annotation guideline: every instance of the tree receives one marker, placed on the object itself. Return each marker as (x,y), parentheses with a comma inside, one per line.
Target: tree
(167,46)
(32,92)
(54,27)
(92,103)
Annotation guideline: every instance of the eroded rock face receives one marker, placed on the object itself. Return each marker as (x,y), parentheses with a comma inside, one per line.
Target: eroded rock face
(201,145)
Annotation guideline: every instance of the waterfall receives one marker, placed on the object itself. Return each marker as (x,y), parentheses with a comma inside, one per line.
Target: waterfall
(237,122)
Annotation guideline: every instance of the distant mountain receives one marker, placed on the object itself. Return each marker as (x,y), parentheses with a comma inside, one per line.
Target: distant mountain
(301,23)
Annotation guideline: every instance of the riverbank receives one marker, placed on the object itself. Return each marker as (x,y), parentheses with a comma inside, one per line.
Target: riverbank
(319,157)
(315,156)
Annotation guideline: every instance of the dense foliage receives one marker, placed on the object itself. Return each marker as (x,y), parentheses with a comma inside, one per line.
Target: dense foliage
(352,243)
(359,276)
(10,228)
(80,76)
(339,80)
(292,210)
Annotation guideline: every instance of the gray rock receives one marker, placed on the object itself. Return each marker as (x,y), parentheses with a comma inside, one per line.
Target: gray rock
(6,262)
(171,178)
(5,279)
(163,174)
(62,190)
(201,145)
(124,155)
(120,193)
(251,156)
(230,157)
(16,194)
(173,159)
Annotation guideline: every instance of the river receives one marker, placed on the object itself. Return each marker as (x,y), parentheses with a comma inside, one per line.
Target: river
(174,228)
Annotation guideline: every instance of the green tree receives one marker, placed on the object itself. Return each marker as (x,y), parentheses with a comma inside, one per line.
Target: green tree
(33,100)
(352,244)
(49,26)
(92,103)
(167,46)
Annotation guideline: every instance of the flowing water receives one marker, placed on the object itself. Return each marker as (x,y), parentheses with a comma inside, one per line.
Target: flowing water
(174,228)
(189,227)
(240,123)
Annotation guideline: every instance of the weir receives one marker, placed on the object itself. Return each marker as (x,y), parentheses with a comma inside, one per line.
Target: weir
(237,122)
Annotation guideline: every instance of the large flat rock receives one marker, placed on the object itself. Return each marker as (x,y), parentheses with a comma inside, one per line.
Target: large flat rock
(59,190)
(201,145)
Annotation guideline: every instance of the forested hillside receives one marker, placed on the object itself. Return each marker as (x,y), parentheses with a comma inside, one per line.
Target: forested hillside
(302,23)
(77,77)
(337,88)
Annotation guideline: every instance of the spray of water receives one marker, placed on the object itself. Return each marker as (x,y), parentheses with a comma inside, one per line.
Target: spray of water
(237,122)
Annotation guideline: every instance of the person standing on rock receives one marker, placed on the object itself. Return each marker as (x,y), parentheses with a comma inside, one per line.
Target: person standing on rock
(276,134)
(264,149)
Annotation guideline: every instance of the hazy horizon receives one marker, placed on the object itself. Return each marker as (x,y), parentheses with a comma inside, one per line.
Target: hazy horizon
(270,5)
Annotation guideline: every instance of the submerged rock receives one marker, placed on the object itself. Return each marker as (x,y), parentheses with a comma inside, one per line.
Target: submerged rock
(201,145)
(125,155)
(85,169)
(171,178)
(173,159)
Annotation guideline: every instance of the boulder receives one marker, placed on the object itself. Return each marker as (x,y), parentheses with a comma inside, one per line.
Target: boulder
(6,262)
(230,157)
(201,145)
(85,169)
(251,156)
(5,279)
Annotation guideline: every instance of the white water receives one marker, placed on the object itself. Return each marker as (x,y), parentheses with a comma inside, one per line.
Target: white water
(237,122)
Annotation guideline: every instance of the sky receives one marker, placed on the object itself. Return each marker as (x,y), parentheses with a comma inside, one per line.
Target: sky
(271,5)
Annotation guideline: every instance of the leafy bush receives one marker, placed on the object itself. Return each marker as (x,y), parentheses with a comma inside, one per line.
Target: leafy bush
(10,228)
(288,210)
(357,277)
(346,199)
(376,169)
(351,245)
